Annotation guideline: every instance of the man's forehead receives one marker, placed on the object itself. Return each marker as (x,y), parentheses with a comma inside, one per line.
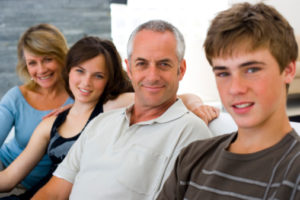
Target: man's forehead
(147,59)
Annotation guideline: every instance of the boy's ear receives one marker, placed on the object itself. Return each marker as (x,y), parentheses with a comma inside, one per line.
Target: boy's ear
(289,72)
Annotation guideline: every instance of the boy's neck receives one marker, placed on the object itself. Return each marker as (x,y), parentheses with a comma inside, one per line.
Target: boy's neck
(254,139)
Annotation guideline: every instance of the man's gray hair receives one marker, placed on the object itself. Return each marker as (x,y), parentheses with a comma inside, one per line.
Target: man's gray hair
(159,26)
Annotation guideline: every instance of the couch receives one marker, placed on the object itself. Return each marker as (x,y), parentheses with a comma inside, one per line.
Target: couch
(225,124)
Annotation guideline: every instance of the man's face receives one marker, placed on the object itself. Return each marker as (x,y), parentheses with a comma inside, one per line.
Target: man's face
(154,68)
(251,87)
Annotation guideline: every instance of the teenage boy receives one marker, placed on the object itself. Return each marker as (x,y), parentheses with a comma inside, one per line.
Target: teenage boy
(252,51)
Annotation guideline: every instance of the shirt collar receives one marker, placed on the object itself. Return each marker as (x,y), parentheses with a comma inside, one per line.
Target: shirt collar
(175,111)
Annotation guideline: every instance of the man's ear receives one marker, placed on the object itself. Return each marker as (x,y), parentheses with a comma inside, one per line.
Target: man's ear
(289,72)
(182,69)
(128,68)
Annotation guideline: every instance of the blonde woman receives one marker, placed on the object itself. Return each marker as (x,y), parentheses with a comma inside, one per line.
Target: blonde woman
(41,56)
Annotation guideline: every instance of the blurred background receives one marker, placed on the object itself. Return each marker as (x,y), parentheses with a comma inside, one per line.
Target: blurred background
(115,19)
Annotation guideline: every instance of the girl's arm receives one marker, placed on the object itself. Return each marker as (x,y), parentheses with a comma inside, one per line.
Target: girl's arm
(191,101)
(28,159)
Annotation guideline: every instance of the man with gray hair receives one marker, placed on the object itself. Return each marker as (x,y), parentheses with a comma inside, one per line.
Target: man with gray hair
(128,153)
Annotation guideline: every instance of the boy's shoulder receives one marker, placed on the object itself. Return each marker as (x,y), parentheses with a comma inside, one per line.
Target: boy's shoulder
(201,147)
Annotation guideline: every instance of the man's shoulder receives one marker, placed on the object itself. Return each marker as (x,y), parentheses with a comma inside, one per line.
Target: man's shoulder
(111,113)
(107,118)
(184,114)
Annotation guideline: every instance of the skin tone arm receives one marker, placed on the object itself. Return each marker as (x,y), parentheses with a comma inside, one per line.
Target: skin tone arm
(192,102)
(29,158)
(55,189)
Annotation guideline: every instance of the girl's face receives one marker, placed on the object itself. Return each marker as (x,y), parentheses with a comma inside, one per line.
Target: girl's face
(88,79)
(44,70)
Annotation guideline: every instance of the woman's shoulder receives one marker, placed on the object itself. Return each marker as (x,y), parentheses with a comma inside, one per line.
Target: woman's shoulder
(14,91)
(12,95)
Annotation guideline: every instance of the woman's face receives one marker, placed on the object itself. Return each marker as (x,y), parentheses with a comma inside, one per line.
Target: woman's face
(44,70)
(87,80)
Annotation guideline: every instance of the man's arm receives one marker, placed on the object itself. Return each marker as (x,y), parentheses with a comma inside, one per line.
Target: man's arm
(55,189)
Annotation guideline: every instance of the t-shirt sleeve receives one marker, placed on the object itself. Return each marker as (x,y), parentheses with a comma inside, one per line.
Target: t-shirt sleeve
(192,131)
(173,188)
(7,114)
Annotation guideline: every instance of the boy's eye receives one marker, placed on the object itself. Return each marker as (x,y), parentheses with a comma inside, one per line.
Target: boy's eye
(222,74)
(253,69)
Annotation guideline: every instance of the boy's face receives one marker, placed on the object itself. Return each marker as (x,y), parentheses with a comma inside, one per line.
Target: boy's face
(251,87)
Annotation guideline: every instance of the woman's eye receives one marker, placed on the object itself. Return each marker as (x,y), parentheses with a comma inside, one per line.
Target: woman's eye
(79,70)
(31,63)
(47,59)
(99,76)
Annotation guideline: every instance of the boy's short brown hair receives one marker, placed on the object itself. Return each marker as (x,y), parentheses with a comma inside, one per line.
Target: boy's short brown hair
(253,26)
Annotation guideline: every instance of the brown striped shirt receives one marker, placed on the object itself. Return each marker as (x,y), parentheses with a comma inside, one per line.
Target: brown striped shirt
(206,170)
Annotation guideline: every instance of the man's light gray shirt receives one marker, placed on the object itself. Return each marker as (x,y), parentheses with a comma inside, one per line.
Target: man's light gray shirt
(115,160)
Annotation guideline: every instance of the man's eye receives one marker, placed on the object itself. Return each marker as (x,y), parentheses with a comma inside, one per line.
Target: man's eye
(165,64)
(140,63)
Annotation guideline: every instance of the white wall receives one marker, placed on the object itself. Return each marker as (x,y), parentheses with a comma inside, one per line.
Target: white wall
(192,17)
(290,9)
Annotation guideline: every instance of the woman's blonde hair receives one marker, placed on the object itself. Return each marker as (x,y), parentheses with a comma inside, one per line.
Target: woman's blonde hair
(41,40)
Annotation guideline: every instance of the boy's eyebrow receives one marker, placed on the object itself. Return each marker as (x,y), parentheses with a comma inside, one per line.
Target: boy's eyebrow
(251,63)
(219,68)
(139,59)
(241,65)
